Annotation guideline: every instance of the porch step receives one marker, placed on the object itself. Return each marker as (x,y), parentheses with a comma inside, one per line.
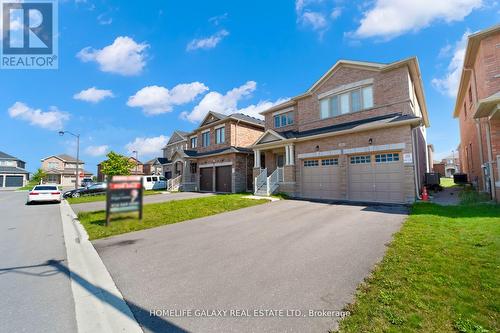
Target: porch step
(261,193)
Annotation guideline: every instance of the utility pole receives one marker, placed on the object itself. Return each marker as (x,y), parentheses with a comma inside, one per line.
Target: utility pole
(77,136)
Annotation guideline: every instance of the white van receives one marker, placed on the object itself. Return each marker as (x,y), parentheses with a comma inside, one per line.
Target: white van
(154,182)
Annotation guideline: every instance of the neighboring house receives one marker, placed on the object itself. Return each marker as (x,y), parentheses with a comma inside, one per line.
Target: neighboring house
(177,142)
(136,169)
(448,166)
(478,109)
(154,166)
(12,172)
(61,170)
(359,133)
(218,157)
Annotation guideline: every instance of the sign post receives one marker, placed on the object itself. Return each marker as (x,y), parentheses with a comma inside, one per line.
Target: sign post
(124,194)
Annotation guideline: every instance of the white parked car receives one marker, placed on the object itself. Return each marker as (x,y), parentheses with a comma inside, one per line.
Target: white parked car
(44,193)
(154,182)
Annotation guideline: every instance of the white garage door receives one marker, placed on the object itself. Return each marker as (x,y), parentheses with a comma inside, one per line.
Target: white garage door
(321,179)
(376,177)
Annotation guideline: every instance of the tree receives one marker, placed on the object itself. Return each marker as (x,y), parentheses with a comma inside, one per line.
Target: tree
(116,165)
(38,176)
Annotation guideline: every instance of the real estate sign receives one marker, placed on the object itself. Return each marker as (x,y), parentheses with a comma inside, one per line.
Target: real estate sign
(124,194)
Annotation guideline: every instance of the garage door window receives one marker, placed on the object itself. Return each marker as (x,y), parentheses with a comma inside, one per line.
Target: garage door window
(330,161)
(311,163)
(386,158)
(360,159)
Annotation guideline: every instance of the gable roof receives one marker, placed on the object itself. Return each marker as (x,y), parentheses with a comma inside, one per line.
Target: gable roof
(215,117)
(177,136)
(473,43)
(411,63)
(5,156)
(64,158)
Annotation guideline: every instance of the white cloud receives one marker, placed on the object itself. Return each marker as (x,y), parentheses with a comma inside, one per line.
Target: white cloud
(216,20)
(97,150)
(93,95)
(391,18)
(101,18)
(228,103)
(207,43)
(214,101)
(449,83)
(316,14)
(156,99)
(52,119)
(254,110)
(147,146)
(124,56)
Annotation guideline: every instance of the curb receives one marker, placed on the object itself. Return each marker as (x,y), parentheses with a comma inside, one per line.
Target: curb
(99,305)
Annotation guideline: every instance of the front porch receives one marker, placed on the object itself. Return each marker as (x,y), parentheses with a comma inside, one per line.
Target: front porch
(274,170)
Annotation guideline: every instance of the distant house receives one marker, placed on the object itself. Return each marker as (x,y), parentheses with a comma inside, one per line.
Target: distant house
(61,170)
(136,169)
(12,172)
(177,143)
(155,166)
(448,166)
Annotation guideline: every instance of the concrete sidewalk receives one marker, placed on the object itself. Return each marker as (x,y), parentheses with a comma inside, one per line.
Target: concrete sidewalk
(156,198)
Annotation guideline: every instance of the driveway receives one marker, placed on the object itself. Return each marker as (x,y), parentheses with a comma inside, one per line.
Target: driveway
(285,255)
(36,293)
(155,198)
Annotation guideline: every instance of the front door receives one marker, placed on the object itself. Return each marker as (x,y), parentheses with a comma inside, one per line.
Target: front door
(280,160)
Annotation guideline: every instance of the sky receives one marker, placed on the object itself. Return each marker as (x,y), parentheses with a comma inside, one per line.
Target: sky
(132,72)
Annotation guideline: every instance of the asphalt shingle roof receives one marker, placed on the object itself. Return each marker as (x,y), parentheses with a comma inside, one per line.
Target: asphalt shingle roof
(7,156)
(193,153)
(13,170)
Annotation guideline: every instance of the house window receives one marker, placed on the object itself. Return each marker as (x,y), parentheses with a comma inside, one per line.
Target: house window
(220,135)
(385,158)
(311,163)
(352,101)
(52,179)
(470,95)
(360,159)
(205,139)
(330,161)
(465,110)
(194,142)
(282,120)
(53,165)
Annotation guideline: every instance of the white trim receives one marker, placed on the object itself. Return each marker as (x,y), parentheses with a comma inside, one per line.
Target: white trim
(219,126)
(205,131)
(193,136)
(320,154)
(368,149)
(289,109)
(209,165)
(346,87)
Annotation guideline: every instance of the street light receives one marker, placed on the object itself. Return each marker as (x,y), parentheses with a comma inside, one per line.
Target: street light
(136,161)
(77,136)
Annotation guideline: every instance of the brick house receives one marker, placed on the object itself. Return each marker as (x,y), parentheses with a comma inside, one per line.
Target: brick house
(359,133)
(448,166)
(61,170)
(136,169)
(478,110)
(218,157)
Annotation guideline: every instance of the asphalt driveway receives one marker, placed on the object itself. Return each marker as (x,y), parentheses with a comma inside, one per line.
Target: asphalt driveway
(285,255)
(156,198)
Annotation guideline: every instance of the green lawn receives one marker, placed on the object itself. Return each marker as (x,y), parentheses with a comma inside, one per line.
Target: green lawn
(164,213)
(101,197)
(447,182)
(440,274)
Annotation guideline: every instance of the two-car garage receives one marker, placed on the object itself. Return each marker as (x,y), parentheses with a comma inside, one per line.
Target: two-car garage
(11,180)
(371,177)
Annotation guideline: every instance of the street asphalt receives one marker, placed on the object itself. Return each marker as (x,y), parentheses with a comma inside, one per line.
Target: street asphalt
(155,198)
(281,256)
(35,289)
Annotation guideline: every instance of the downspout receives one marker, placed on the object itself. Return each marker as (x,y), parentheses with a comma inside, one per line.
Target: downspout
(490,161)
(415,173)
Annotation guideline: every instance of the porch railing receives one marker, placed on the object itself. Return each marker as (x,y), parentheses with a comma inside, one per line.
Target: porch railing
(174,183)
(281,174)
(261,180)
(273,181)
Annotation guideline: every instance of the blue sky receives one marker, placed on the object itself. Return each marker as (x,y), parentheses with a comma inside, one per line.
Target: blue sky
(132,72)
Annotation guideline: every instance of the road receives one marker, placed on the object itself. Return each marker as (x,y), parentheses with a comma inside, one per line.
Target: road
(36,296)
(156,198)
(284,255)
